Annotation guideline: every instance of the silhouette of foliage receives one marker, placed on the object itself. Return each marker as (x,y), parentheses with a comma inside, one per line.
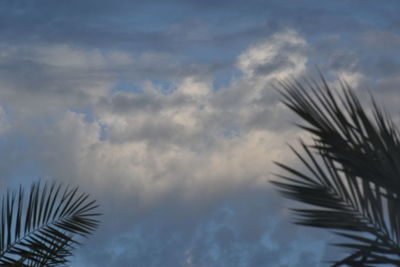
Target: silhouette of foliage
(41,228)
(351,174)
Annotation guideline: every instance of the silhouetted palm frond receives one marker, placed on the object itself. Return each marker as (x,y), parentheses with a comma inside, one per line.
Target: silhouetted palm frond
(352,172)
(42,228)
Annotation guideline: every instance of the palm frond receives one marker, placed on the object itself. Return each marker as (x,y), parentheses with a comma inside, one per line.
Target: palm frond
(42,228)
(351,173)
(367,147)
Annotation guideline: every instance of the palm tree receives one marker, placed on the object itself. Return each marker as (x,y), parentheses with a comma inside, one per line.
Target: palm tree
(42,228)
(351,174)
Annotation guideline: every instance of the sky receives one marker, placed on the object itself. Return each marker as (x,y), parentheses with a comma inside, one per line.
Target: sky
(165,113)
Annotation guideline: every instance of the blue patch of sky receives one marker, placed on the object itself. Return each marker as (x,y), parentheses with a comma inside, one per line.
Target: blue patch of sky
(126,86)
(225,78)
(218,26)
(163,86)
(4,140)
(141,18)
(87,113)
(231,133)
(221,43)
(27,172)
(103,132)
(89,117)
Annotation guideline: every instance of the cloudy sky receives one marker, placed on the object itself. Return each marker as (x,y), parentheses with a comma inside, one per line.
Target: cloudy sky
(164,112)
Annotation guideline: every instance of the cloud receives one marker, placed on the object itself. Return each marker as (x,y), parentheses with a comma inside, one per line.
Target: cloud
(276,57)
(176,168)
(180,168)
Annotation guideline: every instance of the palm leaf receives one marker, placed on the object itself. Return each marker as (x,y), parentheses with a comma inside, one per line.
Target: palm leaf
(367,147)
(42,228)
(351,173)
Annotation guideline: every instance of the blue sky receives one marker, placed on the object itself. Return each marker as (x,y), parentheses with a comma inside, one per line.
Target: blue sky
(165,112)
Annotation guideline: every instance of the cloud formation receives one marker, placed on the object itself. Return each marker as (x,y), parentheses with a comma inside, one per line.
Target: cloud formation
(143,154)
(173,123)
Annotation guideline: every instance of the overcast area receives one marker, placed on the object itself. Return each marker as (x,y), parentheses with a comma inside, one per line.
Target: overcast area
(165,112)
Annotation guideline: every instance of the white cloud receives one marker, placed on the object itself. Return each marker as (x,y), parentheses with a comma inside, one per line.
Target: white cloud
(277,57)
(192,147)
(195,86)
(190,142)
(179,142)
